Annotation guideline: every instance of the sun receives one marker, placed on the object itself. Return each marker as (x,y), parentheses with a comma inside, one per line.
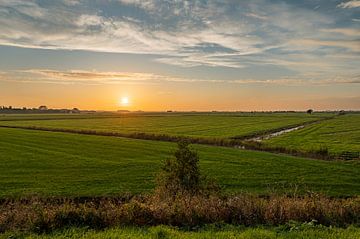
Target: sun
(124,101)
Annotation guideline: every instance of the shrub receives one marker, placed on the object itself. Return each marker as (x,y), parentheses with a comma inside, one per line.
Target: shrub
(181,175)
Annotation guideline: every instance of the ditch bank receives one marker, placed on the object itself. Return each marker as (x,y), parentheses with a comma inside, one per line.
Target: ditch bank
(266,134)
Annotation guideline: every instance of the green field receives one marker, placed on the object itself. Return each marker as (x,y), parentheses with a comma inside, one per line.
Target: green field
(195,125)
(339,134)
(308,232)
(51,163)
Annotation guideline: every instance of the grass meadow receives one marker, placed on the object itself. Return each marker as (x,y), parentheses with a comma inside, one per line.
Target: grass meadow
(215,125)
(52,163)
(337,135)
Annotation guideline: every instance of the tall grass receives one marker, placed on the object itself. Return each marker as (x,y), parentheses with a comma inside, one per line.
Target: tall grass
(44,215)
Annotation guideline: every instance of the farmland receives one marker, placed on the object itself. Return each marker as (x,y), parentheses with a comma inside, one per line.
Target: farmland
(322,131)
(337,135)
(45,159)
(195,125)
(64,164)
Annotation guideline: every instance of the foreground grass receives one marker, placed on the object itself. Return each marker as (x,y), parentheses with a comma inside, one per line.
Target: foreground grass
(195,125)
(186,211)
(303,232)
(63,164)
(338,135)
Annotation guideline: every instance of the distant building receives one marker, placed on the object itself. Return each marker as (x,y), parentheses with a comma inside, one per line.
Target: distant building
(341,112)
(75,111)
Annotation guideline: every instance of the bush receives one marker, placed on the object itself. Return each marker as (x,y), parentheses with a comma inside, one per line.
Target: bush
(181,175)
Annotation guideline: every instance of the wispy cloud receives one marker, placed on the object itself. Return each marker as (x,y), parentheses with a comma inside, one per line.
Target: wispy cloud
(350,44)
(257,16)
(72,2)
(350,4)
(146,4)
(231,34)
(101,78)
(345,31)
(93,77)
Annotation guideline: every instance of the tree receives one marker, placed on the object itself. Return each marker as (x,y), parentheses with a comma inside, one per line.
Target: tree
(182,172)
(309,111)
(181,175)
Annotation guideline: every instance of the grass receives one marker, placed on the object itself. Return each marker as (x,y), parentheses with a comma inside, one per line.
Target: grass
(195,125)
(33,214)
(158,232)
(64,164)
(338,135)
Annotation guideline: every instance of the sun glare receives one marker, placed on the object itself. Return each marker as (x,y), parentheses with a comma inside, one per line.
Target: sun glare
(124,101)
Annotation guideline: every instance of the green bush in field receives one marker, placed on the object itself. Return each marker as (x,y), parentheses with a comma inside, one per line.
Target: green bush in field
(181,174)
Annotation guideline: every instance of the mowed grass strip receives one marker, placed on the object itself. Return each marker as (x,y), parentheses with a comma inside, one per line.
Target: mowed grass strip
(284,232)
(195,125)
(64,164)
(339,134)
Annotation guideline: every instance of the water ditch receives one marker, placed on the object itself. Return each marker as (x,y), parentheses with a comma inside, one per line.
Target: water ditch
(274,134)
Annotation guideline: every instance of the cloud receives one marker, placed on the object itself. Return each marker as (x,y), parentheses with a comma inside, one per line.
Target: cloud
(350,4)
(231,34)
(104,77)
(116,34)
(95,77)
(345,31)
(72,2)
(145,4)
(25,8)
(349,44)
(253,15)
(305,80)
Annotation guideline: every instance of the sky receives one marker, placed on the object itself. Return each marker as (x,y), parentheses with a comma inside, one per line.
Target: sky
(180,55)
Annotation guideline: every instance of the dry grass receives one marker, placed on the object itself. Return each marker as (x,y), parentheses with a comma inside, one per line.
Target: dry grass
(44,215)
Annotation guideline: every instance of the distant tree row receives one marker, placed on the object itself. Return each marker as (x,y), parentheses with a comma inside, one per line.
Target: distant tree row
(40,109)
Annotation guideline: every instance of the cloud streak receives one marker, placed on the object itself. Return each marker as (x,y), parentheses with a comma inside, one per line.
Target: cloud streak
(103,77)
(350,4)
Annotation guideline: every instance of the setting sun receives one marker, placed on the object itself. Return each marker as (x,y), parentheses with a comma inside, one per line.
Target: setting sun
(124,101)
